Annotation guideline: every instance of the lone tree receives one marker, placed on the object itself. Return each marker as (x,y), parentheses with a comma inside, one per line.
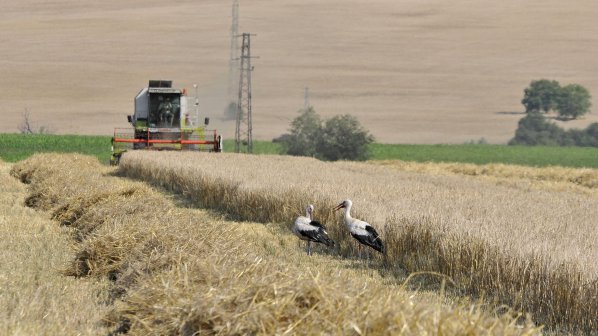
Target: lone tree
(573,102)
(541,95)
(339,138)
(570,101)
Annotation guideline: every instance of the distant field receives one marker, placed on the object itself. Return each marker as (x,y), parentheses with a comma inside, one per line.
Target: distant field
(15,147)
(420,72)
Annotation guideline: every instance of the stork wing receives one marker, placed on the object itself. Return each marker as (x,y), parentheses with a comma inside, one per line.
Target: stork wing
(317,235)
(309,234)
(317,224)
(372,231)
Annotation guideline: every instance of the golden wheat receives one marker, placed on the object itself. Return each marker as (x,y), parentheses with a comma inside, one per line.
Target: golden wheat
(582,180)
(560,224)
(529,248)
(177,270)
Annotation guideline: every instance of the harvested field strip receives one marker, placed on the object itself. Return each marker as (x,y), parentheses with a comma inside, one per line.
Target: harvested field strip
(35,296)
(531,249)
(176,270)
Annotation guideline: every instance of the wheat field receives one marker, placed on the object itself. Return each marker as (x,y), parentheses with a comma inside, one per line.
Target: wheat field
(578,180)
(546,222)
(173,269)
(529,247)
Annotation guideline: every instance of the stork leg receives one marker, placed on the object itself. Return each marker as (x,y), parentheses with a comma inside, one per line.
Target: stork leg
(308,247)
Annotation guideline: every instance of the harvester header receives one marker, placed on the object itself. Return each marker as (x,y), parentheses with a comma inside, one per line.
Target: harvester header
(163,121)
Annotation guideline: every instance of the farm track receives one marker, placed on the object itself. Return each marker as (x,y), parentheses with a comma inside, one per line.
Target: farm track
(175,270)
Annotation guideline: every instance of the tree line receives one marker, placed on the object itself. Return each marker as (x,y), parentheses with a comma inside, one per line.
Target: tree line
(343,138)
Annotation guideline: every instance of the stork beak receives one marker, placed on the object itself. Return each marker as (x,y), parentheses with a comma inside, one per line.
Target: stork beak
(342,205)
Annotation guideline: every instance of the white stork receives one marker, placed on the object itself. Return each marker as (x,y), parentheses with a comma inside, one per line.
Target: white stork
(308,229)
(360,230)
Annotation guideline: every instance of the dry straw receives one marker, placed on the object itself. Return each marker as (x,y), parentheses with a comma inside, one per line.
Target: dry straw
(583,180)
(35,299)
(532,249)
(183,271)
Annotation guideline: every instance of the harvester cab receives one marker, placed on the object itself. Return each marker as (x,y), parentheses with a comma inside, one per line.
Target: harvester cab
(162,121)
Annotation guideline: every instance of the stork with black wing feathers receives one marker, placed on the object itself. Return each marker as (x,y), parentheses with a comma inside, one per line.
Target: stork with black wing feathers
(310,230)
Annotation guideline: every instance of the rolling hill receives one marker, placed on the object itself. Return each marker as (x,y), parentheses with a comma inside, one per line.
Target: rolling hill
(411,71)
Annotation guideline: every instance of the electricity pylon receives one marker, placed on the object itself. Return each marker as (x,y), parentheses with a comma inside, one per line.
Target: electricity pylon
(243,130)
(234,53)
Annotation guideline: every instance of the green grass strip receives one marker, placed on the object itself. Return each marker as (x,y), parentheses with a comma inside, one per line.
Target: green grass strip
(16,147)
(536,156)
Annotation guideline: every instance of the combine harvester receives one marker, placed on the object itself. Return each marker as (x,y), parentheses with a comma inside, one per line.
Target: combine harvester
(162,121)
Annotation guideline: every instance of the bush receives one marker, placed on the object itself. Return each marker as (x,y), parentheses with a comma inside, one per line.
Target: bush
(305,133)
(343,138)
(340,138)
(535,130)
(592,132)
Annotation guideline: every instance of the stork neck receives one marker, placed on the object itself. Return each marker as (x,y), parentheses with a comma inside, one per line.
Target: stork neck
(348,212)
(308,214)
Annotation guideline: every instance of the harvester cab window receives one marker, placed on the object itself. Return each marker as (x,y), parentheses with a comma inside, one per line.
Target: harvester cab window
(165,110)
